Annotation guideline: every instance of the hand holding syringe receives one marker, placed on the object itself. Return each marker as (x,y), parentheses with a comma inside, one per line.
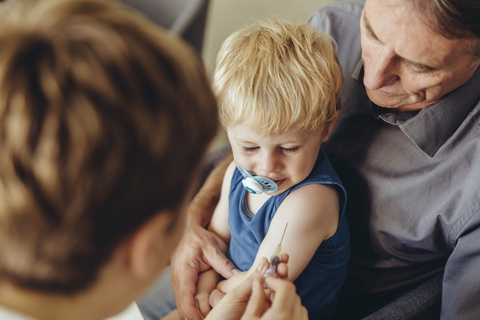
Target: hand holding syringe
(275,258)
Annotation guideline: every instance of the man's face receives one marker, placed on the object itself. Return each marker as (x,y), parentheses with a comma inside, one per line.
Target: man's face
(407,65)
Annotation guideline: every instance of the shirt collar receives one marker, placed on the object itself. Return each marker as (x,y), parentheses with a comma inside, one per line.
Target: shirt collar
(430,127)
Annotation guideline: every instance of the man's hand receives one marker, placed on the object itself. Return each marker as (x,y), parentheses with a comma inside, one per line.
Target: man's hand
(198,251)
(201,302)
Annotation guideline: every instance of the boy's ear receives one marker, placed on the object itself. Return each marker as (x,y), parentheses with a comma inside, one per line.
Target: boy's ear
(326,133)
(150,247)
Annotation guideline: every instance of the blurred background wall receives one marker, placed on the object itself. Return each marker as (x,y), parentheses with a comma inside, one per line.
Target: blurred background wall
(226,16)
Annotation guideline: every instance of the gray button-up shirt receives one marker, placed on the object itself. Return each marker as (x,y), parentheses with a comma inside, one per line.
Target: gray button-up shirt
(413,181)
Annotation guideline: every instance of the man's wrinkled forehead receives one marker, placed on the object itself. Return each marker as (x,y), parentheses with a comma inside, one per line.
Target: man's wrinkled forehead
(389,7)
(418,27)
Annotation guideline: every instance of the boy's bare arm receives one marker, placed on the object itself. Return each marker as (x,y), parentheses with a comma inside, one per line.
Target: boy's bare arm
(199,249)
(311,212)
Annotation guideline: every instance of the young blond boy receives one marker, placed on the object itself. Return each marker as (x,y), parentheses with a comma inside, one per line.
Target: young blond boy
(104,119)
(278,85)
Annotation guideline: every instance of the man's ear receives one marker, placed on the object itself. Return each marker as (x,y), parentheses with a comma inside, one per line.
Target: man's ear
(150,247)
(327,131)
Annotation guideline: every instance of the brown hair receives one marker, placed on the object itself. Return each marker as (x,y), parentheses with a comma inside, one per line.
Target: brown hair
(104,119)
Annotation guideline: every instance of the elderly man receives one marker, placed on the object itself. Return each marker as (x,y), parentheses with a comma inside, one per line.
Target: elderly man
(407,148)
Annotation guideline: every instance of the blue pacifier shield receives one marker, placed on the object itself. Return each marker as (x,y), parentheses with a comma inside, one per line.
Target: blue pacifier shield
(257,184)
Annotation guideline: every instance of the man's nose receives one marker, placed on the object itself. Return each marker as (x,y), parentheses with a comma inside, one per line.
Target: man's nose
(381,70)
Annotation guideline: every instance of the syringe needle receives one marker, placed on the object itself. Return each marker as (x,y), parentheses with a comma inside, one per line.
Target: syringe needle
(279,246)
(275,259)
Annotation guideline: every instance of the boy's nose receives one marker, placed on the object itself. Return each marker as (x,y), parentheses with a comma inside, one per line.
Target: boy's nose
(268,164)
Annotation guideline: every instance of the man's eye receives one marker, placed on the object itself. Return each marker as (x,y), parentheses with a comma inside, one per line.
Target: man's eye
(290,150)
(419,69)
(249,149)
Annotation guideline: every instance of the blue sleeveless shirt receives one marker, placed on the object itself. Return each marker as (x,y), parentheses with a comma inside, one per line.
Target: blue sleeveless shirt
(319,284)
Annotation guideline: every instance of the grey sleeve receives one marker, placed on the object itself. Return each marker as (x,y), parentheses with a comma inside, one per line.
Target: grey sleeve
(342,21)
(461,281)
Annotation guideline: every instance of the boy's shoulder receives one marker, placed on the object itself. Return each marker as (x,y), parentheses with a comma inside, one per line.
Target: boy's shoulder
(313,195)
(322,173)
(322,187)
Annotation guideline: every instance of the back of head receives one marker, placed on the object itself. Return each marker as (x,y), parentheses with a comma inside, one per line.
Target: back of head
(104,119)
(278,75)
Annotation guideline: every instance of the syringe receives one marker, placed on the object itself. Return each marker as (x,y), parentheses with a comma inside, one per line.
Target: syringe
(275,258)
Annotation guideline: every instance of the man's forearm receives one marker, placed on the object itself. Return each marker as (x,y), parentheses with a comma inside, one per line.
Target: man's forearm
(204,203)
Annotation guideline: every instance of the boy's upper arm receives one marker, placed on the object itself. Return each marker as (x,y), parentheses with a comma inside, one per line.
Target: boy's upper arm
(219,223)
(312,214)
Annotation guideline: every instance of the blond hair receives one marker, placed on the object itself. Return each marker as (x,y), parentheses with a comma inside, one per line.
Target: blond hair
(278,75)
(104,119)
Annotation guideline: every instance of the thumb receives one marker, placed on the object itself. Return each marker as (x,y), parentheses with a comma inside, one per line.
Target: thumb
(258,302)
(215,297)
(232,306)
(219,261)
(243,291)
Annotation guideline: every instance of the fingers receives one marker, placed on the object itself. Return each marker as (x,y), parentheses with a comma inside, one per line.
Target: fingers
(284,257)
(217,259)
(284,290)
(282,268)
(241,293)
(197,252)
(185,290)
(202,304)
(186,308)
(215,297)
(249,302)
(286,301)
(257,304)
(233,304)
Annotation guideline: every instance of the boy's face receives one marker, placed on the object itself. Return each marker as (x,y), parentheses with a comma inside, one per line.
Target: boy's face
(286,158)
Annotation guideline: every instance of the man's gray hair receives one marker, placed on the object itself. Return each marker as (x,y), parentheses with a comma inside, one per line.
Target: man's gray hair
(453,19)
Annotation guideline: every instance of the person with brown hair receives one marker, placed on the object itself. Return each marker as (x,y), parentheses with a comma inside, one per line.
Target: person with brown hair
(104,121)
(406,147)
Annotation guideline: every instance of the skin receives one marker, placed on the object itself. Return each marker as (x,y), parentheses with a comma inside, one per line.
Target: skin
(137,262)
(286,158)
(250,301)
(407,65)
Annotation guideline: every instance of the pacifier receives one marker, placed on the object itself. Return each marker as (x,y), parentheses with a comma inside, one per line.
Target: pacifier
(257,184)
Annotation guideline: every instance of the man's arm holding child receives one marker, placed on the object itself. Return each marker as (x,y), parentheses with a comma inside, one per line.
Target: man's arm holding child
(208,280)
(199,249)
